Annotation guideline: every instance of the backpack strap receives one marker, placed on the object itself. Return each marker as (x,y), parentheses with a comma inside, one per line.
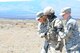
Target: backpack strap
(53,23)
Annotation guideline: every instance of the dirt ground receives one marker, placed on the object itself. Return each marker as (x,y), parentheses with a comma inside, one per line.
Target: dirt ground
(18,36)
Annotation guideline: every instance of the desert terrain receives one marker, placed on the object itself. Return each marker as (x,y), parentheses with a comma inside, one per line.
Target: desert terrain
(20,36)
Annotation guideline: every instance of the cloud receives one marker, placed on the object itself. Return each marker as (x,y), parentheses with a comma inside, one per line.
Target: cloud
(13,0)
(19,7)
(45,3)
(78,0)
(4,9)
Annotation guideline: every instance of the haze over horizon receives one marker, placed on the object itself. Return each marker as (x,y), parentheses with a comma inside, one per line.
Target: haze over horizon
(29,8)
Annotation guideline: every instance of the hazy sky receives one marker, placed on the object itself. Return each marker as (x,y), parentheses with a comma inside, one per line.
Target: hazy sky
(28,8)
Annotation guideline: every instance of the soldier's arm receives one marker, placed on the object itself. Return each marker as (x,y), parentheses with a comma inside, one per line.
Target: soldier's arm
(41,34)
(67,31)
(41,31)
(58,25)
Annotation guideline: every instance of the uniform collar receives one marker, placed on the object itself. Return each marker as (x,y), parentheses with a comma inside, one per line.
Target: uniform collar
(68,19)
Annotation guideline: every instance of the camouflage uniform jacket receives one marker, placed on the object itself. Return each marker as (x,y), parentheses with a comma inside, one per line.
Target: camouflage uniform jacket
(54,28)
(42,28)
(71,34)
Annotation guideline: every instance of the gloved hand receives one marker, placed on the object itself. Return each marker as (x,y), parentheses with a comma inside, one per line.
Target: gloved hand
(42,35)
(58,46)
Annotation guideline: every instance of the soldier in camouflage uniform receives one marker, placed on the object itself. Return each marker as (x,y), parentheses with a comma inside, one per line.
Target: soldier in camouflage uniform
(42,29)
(55,26)
(71,33)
